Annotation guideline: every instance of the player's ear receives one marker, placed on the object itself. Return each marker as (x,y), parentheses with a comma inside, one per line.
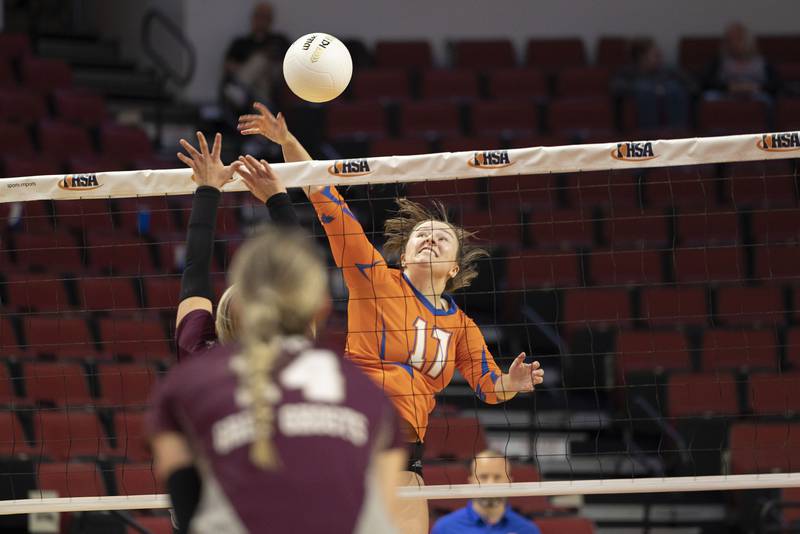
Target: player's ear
(454,271)
(403,260)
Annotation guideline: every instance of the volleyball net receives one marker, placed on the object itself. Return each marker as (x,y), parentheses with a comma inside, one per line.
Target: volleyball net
(656,282)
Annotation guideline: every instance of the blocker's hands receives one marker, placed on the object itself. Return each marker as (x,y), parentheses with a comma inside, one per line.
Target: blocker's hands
(259,178)
(207,166)
(524,376)
(266,124)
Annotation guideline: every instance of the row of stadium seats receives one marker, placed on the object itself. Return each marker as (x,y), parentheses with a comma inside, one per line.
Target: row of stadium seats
(75,106)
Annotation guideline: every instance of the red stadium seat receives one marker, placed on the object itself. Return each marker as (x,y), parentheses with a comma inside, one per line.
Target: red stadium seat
(34,217)
(107,294)
(787,111)
(774,263)
(449,83)
(562,228)
(606,188)
(109,254)
(125,143)
(583,81)
(81,107)
(712,265)
(21,106)
(579,115)
(7,77)
(69,434)
(15,135)
(403,54)
(596,309)
(484,54)
(494,227)
(462,143)
(750,306)
(446,475)
(742,349)
(530,270)
(92,163)
(780,48)
(636,228)
(651,351)
(764,447)
(613,52)
(356,119)
(517,84)
(45,74)
(430,117)
(793,348)
(131,434)
(9,343)
(663,306)
(407,146)
(154,525)
(12,436)
(71,479)
(774,394)
(60,140)
(36,292)
(727,117)
(685,187)
(555,54)
(454,437)
(708,228)
(125,385)
(504,116)
(461,194)
(84,215)
(14,166)
(522,191)
(696,53)
(625,267)
(7,394)
(697,394)
(14,45)
(790,498)
(54,251)
(136,479)
(776,226)
(154,215)
(62,384)
(381,84)
(564,525)
(62,337)
(162,292)
(761,183)
(140,338)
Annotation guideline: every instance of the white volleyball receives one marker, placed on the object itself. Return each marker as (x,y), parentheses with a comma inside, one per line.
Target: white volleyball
(317,67)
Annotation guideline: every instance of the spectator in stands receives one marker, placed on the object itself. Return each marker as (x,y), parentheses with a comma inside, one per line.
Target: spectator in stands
(660,93)
(486,515)
(740,70)
(253,63)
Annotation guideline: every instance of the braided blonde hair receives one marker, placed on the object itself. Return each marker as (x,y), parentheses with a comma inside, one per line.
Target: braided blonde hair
(281,285)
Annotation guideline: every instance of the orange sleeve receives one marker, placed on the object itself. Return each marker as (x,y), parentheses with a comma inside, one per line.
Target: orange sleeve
(476,364)
(361,264)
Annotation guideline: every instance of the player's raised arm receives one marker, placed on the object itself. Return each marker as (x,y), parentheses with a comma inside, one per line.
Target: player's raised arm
(351,249)
(210,174)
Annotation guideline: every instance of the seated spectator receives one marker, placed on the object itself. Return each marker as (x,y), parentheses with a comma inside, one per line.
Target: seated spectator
(253,64)
(740,70)
(486,515)
(660,93)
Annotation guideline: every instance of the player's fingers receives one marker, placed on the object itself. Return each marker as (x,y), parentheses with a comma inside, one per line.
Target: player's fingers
(281,120)
(187,146)
(518,360)
(250,131)
(254,163)
(186,159)
(262,109)
(267,169)
(201,139)
(252,170)
(536,364)
(216,149)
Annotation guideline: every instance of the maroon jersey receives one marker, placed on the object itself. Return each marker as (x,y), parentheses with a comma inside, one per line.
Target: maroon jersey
(329,421)
(195,333)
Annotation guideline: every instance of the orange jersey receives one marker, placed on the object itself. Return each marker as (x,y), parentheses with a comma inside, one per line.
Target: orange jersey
(400,340)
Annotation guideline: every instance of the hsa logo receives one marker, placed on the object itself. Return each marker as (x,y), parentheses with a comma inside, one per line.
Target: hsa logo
(492,159)
(633,151)
(79,182)
(350,167)
(779,142)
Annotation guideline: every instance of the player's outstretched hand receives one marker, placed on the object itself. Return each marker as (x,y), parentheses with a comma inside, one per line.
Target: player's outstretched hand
(259,178)
(207,166)
(524,376)
(266,124)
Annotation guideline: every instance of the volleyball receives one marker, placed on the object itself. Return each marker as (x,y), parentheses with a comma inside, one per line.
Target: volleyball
(317,67)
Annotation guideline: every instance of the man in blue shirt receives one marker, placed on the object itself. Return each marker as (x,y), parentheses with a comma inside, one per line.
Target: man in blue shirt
(486,516)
